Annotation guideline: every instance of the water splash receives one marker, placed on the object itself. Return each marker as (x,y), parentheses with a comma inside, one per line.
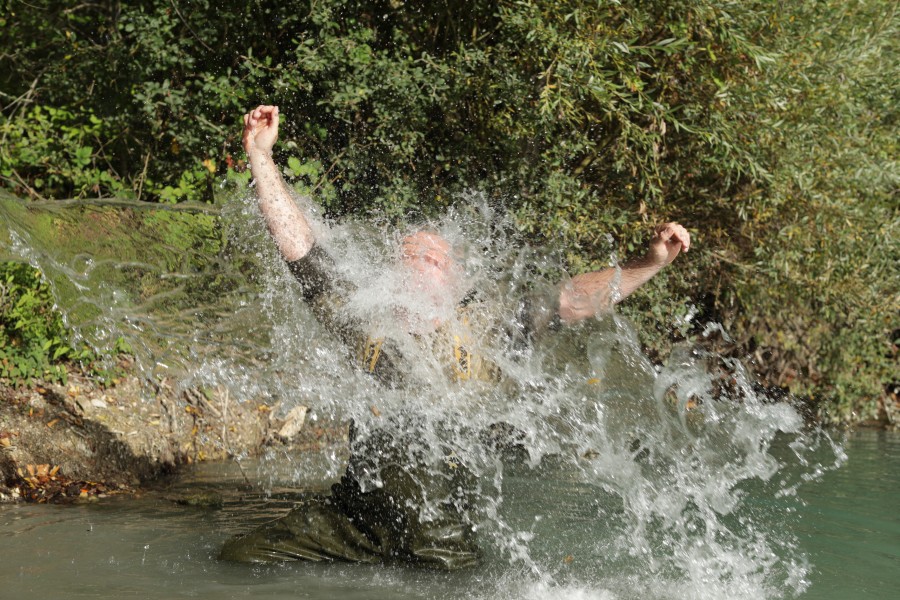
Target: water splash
(686,472)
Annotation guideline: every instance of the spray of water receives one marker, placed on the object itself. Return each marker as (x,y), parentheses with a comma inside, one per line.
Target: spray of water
(676,469)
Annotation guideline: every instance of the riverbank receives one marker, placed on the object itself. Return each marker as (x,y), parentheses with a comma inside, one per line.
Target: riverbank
(82,441)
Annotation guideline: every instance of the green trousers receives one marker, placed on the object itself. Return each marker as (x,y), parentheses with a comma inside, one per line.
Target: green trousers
(419,513)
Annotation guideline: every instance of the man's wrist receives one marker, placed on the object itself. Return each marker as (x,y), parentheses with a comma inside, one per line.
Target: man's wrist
(656,257)
(258,154)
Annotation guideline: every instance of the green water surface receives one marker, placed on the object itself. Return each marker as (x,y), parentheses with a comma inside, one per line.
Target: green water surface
(846,524)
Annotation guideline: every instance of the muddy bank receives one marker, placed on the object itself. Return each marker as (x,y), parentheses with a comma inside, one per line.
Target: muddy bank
(81,441)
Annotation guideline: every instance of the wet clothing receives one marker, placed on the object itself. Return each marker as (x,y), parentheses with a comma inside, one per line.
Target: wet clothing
(453,344)
(388,522)
(383,524)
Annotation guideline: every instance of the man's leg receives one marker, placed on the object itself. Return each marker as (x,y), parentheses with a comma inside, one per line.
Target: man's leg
(433,512)
(314,531)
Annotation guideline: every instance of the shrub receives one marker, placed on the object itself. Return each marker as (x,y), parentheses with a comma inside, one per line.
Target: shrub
(32,335)
(770,129)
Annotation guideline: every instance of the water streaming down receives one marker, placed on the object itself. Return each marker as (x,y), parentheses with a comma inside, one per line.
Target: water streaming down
(672,464)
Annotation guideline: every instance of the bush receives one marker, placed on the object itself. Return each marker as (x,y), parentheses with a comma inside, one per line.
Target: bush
(770,129)
(32,335)
(34,341)
(51,151)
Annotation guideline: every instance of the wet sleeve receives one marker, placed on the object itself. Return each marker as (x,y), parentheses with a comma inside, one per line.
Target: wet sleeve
(325,293)
(315,272)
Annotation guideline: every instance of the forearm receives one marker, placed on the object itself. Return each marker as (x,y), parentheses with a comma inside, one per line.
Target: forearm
(287,224)
(587,294)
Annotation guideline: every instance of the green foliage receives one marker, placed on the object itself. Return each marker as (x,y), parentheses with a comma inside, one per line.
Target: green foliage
(56,152)
(33,338)
(768,128)
(824,268)
(135,65)
(401,111)
(32,335)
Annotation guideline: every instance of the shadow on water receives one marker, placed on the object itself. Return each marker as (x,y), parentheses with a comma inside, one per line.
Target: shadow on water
(598,474)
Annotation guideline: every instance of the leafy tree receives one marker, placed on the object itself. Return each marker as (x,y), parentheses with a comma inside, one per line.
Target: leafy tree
(768,127)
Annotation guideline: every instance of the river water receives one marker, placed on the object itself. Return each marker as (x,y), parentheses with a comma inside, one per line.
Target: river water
(846,524)
(627,479)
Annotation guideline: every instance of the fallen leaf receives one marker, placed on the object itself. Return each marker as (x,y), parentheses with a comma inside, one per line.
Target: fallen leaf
(375,410)
(52,423)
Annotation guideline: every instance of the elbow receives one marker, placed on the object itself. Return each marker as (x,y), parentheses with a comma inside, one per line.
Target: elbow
(579,299)
(575,305)
(295,248)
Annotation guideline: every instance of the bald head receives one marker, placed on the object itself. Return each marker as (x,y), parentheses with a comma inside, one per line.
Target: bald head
(430,259)
(426,246)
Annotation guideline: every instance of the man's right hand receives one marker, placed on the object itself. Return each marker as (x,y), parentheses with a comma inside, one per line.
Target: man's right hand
(260,130)
(286,221)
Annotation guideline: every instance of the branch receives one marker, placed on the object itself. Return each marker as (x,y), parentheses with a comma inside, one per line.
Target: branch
(193,33)
(31,191)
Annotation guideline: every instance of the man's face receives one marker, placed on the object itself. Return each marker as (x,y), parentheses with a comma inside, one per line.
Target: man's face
(435,273)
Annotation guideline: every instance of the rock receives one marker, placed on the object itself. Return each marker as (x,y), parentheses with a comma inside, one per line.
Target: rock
(293,423)
(37,402)
(148,440)
(201,499)
(75,429)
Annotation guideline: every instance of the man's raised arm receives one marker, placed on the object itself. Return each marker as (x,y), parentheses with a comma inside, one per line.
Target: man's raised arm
(286,222)
(587,294)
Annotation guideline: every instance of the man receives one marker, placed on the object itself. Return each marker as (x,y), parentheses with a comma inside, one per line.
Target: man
(365,523)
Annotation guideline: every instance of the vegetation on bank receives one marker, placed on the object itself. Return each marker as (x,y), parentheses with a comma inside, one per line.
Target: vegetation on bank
(34,342)
(32,335)
(768,128)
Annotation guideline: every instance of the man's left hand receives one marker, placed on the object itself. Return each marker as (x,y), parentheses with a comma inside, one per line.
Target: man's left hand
(667,243)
